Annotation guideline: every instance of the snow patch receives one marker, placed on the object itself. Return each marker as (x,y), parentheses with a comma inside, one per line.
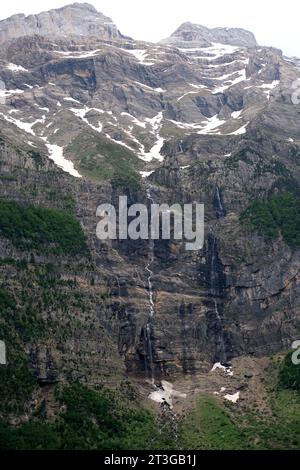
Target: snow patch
(78,54)
(236,114)
(157,90)
(212,125)
(154,153)
(6,93)
(185,125)
(213,52)
(68,98)
(241,78)
(25,126)
(81,113)
(268,87)
(140,55)
(16,68)
(56,153)
(228,370)
(145,174)
(242,130)
(165,394)
(233,398)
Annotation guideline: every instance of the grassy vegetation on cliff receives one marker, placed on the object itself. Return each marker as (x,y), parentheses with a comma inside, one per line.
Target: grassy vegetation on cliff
(213,426)
(280,214)
(102,159)
(91,420)
(102,419)
(41,228)
(289,375)
(210,427)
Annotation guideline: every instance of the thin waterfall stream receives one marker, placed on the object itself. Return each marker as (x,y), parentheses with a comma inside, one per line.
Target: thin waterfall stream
(164,392)
(149,326)
(221,212)
(215,292)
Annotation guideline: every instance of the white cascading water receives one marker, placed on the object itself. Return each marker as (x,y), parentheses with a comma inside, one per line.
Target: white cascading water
(149,271)
(151,261)
(221,210)
(214,292)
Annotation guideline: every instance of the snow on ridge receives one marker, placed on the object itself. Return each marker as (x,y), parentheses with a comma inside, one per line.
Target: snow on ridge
(140,55)
(6,93)
(42,108)
(81,113)
(56,154)
(120,142)
(242,130)
(197,87)
(236,114)
(157,90)
(154,152)
(145,174)
(68,98)
(216,51)
(78,54)
(268,87)
(185,125)
(25,126)
(155,122)
(241,78)
(212,125)
(16,68)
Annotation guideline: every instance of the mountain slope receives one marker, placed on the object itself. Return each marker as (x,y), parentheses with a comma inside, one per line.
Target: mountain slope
(87,115)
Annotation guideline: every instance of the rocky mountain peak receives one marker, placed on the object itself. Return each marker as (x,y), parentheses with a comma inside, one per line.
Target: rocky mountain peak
(77,19)
(83,6)
(197,35)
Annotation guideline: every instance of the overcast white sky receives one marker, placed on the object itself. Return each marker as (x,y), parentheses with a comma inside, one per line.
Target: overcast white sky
(274,23)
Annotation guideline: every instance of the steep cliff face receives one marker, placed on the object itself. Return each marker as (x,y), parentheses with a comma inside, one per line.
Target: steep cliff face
(205,116)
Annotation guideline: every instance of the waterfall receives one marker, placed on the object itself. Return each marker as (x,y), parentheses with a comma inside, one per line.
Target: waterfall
(213,268)
(172,420)
(220,210)
(149,363)
(215,291)
(150,262)
(148,329)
